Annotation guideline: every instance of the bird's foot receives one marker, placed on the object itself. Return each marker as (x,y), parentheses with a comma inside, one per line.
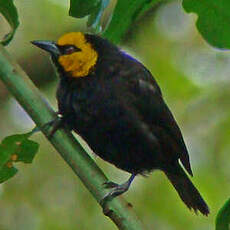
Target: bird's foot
(110,184)
(116,189)
(54,125)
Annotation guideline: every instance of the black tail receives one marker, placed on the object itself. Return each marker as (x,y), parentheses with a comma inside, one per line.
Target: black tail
(186,190)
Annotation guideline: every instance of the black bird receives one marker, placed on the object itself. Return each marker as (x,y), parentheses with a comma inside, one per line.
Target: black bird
(113,102)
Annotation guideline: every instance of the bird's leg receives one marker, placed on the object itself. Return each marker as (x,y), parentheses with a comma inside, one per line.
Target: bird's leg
(54,125)
(117,189)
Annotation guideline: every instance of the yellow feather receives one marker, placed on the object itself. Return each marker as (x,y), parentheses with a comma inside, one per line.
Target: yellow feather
(78,63)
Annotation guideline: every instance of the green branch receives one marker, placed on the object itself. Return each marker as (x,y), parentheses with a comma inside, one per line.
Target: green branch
(19,84)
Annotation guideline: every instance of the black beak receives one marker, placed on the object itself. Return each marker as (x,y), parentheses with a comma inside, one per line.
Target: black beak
(48,46)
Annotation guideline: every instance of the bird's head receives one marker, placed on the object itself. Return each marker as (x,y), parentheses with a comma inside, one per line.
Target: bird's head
(73,52)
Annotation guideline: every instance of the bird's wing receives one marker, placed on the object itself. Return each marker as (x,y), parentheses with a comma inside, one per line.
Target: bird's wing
(149,102)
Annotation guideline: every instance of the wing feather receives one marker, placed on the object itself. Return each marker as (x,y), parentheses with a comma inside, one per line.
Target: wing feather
(149,102)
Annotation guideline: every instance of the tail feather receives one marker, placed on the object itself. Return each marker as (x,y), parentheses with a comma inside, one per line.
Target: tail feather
(186,190)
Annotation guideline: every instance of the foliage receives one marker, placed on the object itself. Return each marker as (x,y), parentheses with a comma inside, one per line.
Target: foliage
(15,148)
(93,9)
(9,11)
(223,217)
(213,17)
(213,20)
(124,16)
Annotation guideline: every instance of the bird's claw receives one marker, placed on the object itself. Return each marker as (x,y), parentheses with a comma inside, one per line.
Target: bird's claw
(110,184)
(53,125)
(117,189)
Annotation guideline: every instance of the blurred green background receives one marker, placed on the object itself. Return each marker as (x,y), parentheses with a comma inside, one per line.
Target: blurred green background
(195,81)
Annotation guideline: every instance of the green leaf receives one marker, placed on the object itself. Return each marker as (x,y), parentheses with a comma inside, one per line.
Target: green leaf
(28,149)
(82,8)
(125,13)
(223,217)
(94,20)
(14,140)
(6,173)
(93,8)
(21,146)
(213,20)
(9,147)
(15,148)
(9,11)
(5,155)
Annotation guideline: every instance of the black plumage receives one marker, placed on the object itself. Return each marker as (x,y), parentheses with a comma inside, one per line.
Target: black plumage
(118,109)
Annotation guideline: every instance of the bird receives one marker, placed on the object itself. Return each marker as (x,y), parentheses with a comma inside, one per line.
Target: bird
(115,104)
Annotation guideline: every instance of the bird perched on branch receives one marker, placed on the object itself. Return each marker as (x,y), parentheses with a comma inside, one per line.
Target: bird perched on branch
(113,102)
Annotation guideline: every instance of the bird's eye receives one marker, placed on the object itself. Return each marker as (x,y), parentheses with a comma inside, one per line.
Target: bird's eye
(69,49)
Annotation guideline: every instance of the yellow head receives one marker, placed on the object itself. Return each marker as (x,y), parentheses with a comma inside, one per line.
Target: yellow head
(78,63)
